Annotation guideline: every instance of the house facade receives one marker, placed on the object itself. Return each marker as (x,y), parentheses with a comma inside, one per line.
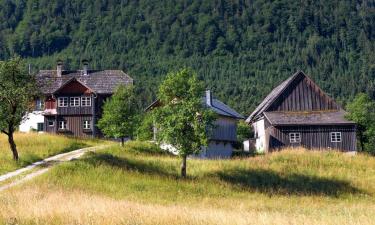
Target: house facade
(73,100)
(297,113)
(224,134)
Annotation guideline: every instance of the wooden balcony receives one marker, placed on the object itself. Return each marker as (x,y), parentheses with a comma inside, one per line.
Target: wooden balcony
(74,110)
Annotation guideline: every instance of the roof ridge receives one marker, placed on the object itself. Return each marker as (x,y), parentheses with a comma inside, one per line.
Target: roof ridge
(274,94)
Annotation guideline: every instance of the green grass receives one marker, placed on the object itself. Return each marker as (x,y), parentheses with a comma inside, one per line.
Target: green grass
(33,147)
(124,173)
(288,187)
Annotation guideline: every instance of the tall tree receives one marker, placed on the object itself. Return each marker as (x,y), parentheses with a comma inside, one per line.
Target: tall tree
(119,112)
(362,111)
(183,120)
(17,90)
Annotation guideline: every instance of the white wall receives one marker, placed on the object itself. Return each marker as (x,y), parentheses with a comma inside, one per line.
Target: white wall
(31,121)
(260,134)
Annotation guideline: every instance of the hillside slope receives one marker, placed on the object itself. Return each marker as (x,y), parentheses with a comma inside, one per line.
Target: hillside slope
(241,48)
(135,185)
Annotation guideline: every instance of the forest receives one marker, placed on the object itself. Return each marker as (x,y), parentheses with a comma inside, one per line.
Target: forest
(240,48)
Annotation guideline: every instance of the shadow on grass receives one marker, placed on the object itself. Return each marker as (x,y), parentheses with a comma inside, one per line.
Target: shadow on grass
(250,180)
(272,183)
(141,166)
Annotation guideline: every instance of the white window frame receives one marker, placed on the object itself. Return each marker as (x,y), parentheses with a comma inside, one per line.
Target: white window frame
(87,124)
(62,101)
(336,137)
(85,101)
(295,137)
(62,125)
(75,101)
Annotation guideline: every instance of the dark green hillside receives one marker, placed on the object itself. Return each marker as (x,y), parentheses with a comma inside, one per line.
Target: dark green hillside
(240,47)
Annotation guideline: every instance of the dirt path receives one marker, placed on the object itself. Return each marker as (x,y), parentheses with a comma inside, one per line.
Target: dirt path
(40,167)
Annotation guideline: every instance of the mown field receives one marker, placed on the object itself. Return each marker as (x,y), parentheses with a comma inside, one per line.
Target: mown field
(33,147)
(138,185)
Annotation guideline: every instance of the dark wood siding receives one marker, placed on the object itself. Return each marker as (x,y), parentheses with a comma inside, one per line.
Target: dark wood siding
(313,137)
(75,126)
(303,95)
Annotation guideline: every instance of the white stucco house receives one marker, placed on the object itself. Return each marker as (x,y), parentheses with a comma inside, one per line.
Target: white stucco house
(33,121)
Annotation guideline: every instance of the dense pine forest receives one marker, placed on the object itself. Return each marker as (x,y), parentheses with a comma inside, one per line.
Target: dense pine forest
(241,48)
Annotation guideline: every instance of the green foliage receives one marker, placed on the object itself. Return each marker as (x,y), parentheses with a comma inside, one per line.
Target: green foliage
(362,111)
(119,113)
(244,131)
(17,90)
(144,131)
(183,121)
(241,49)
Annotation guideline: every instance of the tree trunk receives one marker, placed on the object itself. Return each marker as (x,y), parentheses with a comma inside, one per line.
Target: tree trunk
(13,146)
(183,166)
(122,142)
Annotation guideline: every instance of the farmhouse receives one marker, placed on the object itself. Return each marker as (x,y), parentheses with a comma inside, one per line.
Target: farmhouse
(299,113)
(73,100)
(224,134)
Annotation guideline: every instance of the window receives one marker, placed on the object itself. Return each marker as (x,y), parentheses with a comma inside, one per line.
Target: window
(86,101)
(74,101)
(51,123)
(62,125)
(63,102)
(335,136)
(39,105)
(40,126)
(295,137)
(86,124)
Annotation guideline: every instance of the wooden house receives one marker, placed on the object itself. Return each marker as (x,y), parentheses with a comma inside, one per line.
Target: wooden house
(299,113)
(224,134)
(74,99)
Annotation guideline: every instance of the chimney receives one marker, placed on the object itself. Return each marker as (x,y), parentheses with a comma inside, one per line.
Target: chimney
(85,63)
(59,68)
(208,98)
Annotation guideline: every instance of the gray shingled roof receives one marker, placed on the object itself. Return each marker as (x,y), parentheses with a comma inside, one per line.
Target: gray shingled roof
(272,96)
(308,118)
(222,109)
(100,81)
(217,106)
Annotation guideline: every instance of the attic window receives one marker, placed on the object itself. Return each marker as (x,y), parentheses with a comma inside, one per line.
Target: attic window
(295,137)
(74,101)
(63,102)
(86,101)
(336,137)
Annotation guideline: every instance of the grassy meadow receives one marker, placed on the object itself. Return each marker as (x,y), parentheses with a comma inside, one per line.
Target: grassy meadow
(140,185)
(33,147)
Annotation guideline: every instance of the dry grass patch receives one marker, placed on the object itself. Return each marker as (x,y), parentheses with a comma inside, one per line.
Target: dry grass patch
(41,205)
(134,185)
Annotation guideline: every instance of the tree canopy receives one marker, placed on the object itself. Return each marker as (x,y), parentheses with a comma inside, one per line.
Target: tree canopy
(362,111)
(183,120)
(241,48)
(119,114)
(17,90)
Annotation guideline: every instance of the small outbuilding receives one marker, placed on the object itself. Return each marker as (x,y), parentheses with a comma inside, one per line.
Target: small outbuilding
(297,113)
(224,135)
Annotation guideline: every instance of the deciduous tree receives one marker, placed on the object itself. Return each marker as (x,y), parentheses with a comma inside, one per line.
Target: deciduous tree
(183,120)
(17,90)
(119,111)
